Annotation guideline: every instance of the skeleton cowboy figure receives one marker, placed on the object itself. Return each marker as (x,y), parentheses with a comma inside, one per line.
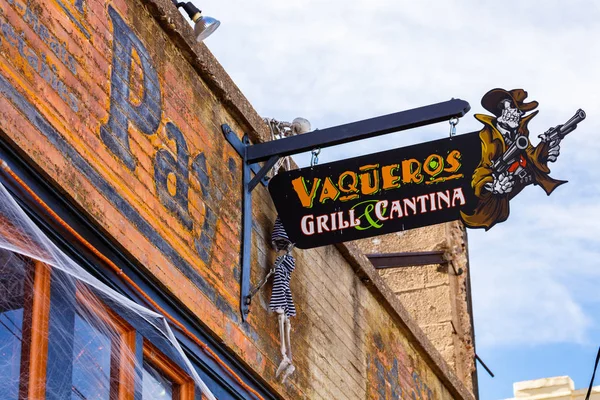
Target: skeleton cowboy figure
(508,127)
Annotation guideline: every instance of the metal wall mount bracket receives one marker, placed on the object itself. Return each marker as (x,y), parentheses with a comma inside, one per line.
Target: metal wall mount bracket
(248,185)
(270,152)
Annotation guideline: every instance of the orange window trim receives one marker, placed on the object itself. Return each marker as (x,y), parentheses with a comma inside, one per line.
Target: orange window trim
(34,353)
(183,384)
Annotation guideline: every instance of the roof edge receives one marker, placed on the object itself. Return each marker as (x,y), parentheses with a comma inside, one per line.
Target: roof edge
(207,67)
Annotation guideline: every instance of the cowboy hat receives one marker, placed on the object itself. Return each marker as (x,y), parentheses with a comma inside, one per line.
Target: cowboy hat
(493,99)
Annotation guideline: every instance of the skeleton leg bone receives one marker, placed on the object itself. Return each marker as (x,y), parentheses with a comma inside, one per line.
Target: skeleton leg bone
(290,368)
(288,330)
(281,318)
(286,361)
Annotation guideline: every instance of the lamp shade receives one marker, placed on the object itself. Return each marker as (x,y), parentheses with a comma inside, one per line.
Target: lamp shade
(204,27)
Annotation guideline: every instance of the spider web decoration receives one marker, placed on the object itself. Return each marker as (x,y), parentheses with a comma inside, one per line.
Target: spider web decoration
(97,321)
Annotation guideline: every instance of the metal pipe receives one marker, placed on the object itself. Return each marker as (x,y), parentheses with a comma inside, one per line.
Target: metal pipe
(484,366)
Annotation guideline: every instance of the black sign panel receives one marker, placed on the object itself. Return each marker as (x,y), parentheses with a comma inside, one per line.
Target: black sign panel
(379,193)
(470,177)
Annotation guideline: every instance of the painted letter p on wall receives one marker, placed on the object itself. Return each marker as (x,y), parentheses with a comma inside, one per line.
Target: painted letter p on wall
(145,116)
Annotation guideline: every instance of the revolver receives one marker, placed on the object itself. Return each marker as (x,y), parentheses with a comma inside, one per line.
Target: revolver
(560,131)
(512,158)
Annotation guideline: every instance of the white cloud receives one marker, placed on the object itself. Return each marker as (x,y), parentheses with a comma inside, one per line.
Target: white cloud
(339,61)
(521,304)
(522,294)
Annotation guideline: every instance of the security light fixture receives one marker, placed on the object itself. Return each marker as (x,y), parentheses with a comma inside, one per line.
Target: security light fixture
(204,26)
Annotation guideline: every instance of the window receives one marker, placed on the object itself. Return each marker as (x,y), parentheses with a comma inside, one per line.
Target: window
(91,361)
(156,385)
(58,340)
(163,379)
(12,311)
(23,324)
(103,351)
(58,319)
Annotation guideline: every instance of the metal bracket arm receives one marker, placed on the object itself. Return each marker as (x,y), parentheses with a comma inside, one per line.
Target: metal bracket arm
(260,176)
(359,130)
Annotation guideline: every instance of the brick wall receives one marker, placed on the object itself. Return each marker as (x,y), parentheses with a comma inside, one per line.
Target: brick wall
(436,297)
(121,110)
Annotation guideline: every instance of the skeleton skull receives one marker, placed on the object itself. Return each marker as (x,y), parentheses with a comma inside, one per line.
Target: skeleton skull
(511,116)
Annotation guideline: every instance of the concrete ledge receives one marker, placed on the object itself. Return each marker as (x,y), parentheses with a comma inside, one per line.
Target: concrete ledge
(557,387)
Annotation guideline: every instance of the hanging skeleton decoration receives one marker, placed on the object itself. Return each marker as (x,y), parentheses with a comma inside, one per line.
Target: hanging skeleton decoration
(280,130)
(281,297)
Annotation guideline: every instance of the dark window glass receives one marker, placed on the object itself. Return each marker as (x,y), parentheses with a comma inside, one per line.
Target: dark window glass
(91,362)
(155,385)
(12,282)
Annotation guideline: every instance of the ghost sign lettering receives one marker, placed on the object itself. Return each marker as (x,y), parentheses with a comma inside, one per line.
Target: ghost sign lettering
(470,177)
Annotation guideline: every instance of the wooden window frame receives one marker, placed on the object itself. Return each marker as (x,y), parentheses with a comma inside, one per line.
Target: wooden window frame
(34,350)
(183,384)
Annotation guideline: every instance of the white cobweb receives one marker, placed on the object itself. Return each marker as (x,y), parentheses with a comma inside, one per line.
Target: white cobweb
(101,358)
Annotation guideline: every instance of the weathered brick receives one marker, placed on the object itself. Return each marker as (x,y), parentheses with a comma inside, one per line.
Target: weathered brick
(335,335)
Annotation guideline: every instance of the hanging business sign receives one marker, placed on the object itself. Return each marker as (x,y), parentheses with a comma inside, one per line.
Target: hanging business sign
(470,177)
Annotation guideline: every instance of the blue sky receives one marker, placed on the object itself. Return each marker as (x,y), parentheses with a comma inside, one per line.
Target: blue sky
(534,277)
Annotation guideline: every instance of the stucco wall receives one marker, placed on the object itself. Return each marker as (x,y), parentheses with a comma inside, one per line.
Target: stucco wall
(435,296)
(122,111)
